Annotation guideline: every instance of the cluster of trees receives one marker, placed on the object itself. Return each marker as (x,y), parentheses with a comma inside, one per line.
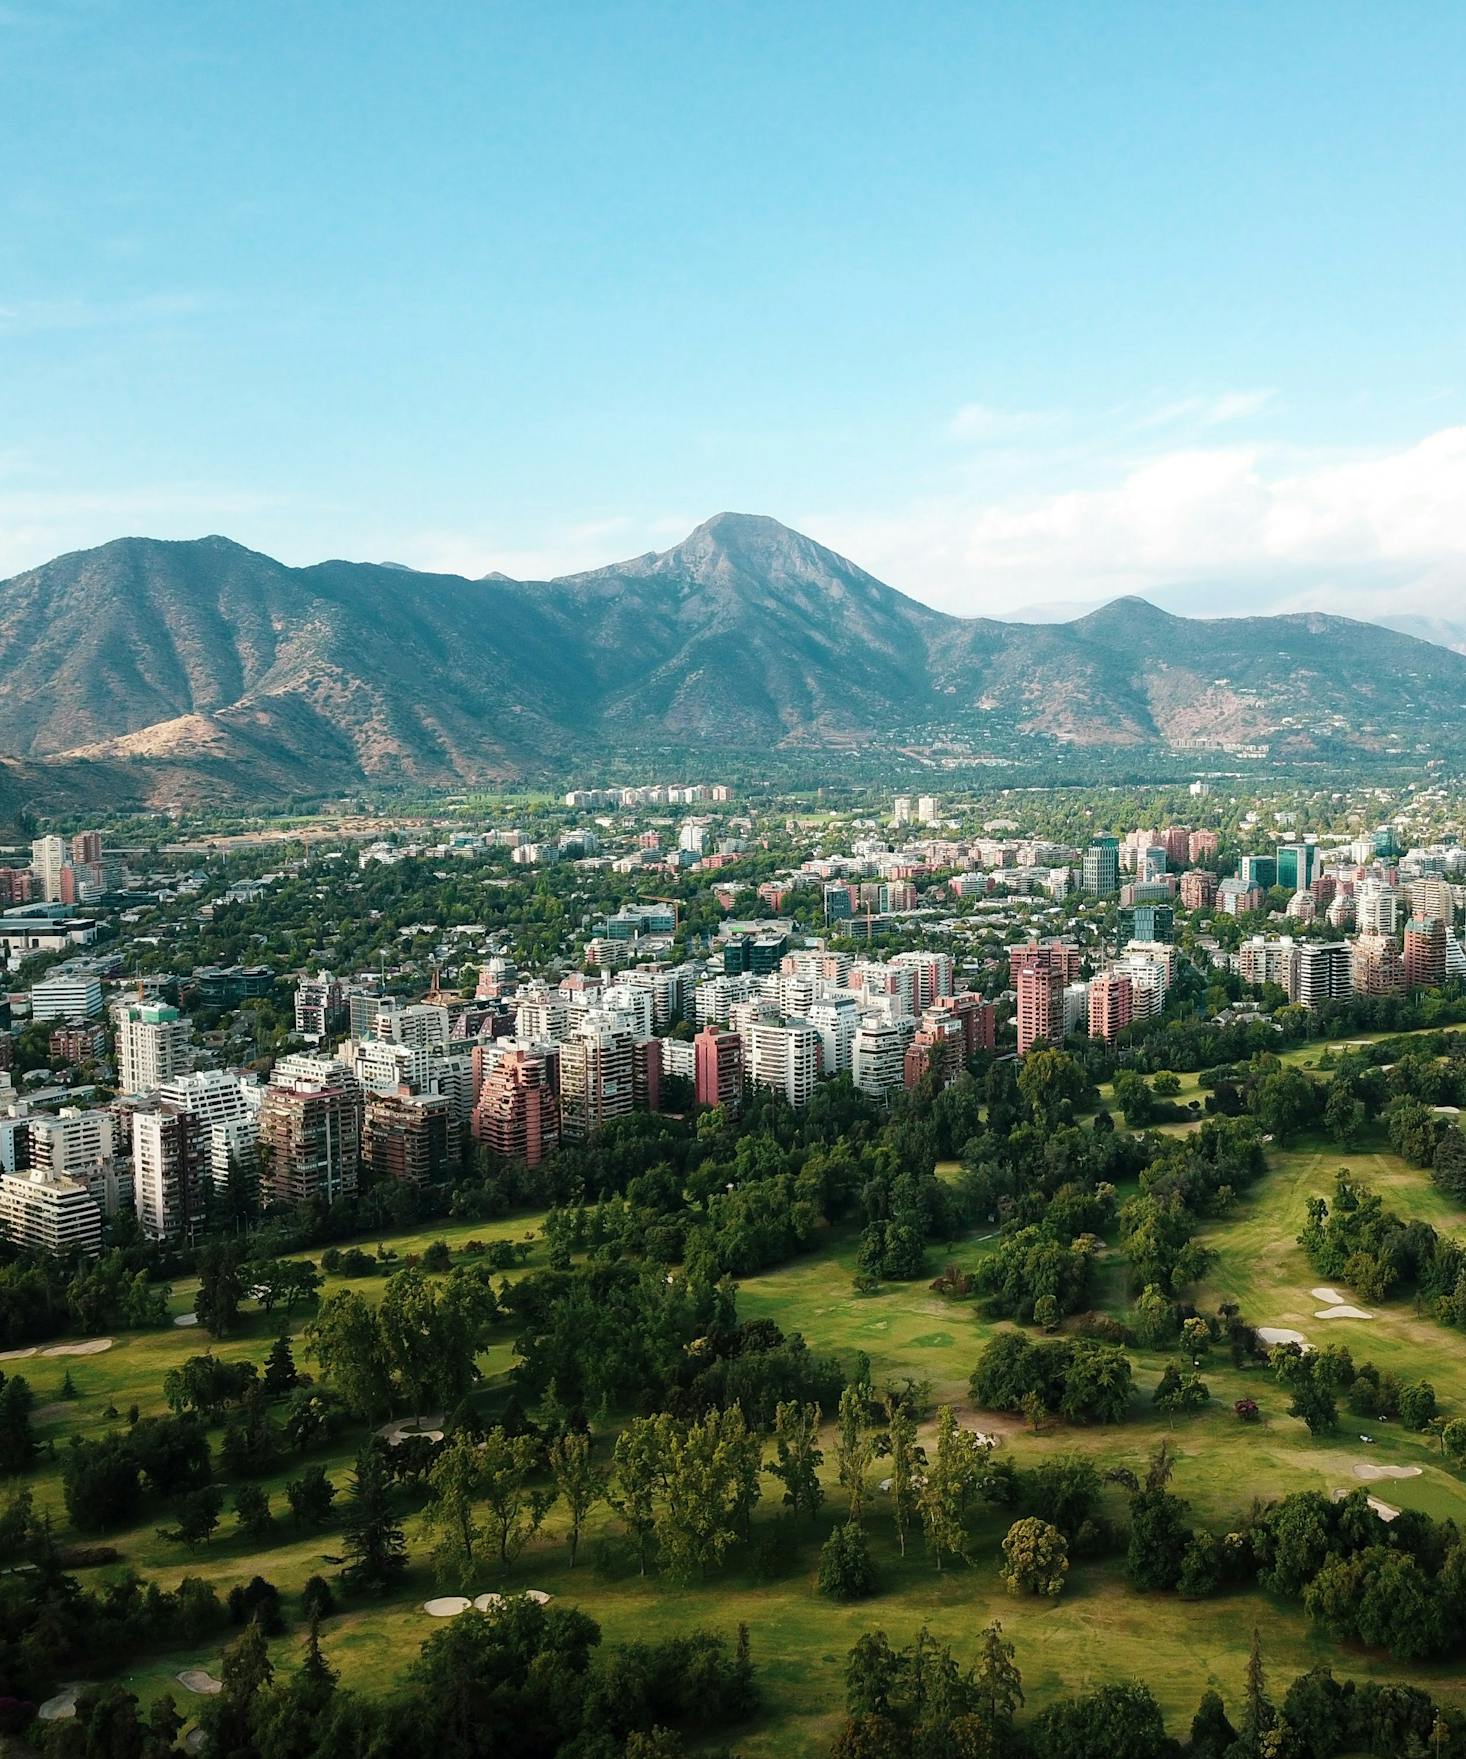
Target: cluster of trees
(730,1196)
(42,1296)
(537,1677)
(1356,1240)
(1082,1379)
(109,1480)
(919,1700)
(1316,1379)
(617,1335)
(414,1349)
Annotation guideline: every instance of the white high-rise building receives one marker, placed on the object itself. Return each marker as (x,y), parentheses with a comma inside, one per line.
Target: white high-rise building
(166,1172)
(424,1024)
(714,1000)
(81,1146)
(878,1053)
(926,808)
(48,857)
(317,1003)
(540,1012)
(383,1066)
(67,995)
(45,1214)
(154,1044)
(785,1058)
(1325,972)
(836,1017)
(931,976)
(630,1005)
(1378,908)
(227,1107)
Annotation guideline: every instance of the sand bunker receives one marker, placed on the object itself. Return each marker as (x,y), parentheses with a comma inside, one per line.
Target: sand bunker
(1279,1334)
(1343,1311)
(431,1427)
(63,1705)
(17,1355)
(488,1602)
(185,1319)
(446,1606)
(1332,1296)
(195,1740)
(1368,1473)
(538,1596)
(1385,1510)
(200,1680)
(91,1347)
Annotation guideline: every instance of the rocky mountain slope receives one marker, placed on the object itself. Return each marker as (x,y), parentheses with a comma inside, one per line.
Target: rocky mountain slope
(164,669)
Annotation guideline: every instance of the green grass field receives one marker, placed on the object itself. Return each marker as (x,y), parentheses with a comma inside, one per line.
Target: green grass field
(1098,1630)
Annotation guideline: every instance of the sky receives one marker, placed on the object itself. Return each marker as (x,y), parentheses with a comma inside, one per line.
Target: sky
(1019,305)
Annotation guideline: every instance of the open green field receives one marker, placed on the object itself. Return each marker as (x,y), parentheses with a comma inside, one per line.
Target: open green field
(1098,1630)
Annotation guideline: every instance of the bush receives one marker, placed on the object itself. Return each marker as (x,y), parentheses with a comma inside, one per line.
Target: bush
(846,1571)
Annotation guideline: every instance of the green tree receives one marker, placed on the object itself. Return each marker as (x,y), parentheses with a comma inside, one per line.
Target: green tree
(854,1448)
(999,1683)
(516,1509)
(245,1676)
(580,1482)
(197,1514)
(901,1438)
(951,1483)
(699,1518)
(454,1483)
(280,1372)
(220,1291)
(252,1508)
(1158,1539)
(638,1478)
(1047,1081)
(310,1497)
(347,1340)
(798,1456)
(1344,1116)
(373,1542)
(17,1440)
(1035,1558)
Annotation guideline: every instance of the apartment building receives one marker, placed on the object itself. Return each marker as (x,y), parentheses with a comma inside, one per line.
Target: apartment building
(40,1213)
(154,1044)
(785,1058)
(517,1116)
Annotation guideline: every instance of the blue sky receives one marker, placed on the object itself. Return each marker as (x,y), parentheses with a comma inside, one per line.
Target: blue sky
(1016,304)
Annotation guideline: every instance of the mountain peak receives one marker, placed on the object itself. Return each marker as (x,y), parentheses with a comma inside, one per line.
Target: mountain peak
(741,527)
(1127,612)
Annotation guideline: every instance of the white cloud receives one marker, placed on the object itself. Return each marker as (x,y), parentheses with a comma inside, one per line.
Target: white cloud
(1210,529)
(985,425)
(1206,412)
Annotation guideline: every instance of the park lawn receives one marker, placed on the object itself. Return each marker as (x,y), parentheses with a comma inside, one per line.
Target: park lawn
(1097,1631)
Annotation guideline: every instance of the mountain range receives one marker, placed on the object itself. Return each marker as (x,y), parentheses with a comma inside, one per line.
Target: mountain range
(157,671)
